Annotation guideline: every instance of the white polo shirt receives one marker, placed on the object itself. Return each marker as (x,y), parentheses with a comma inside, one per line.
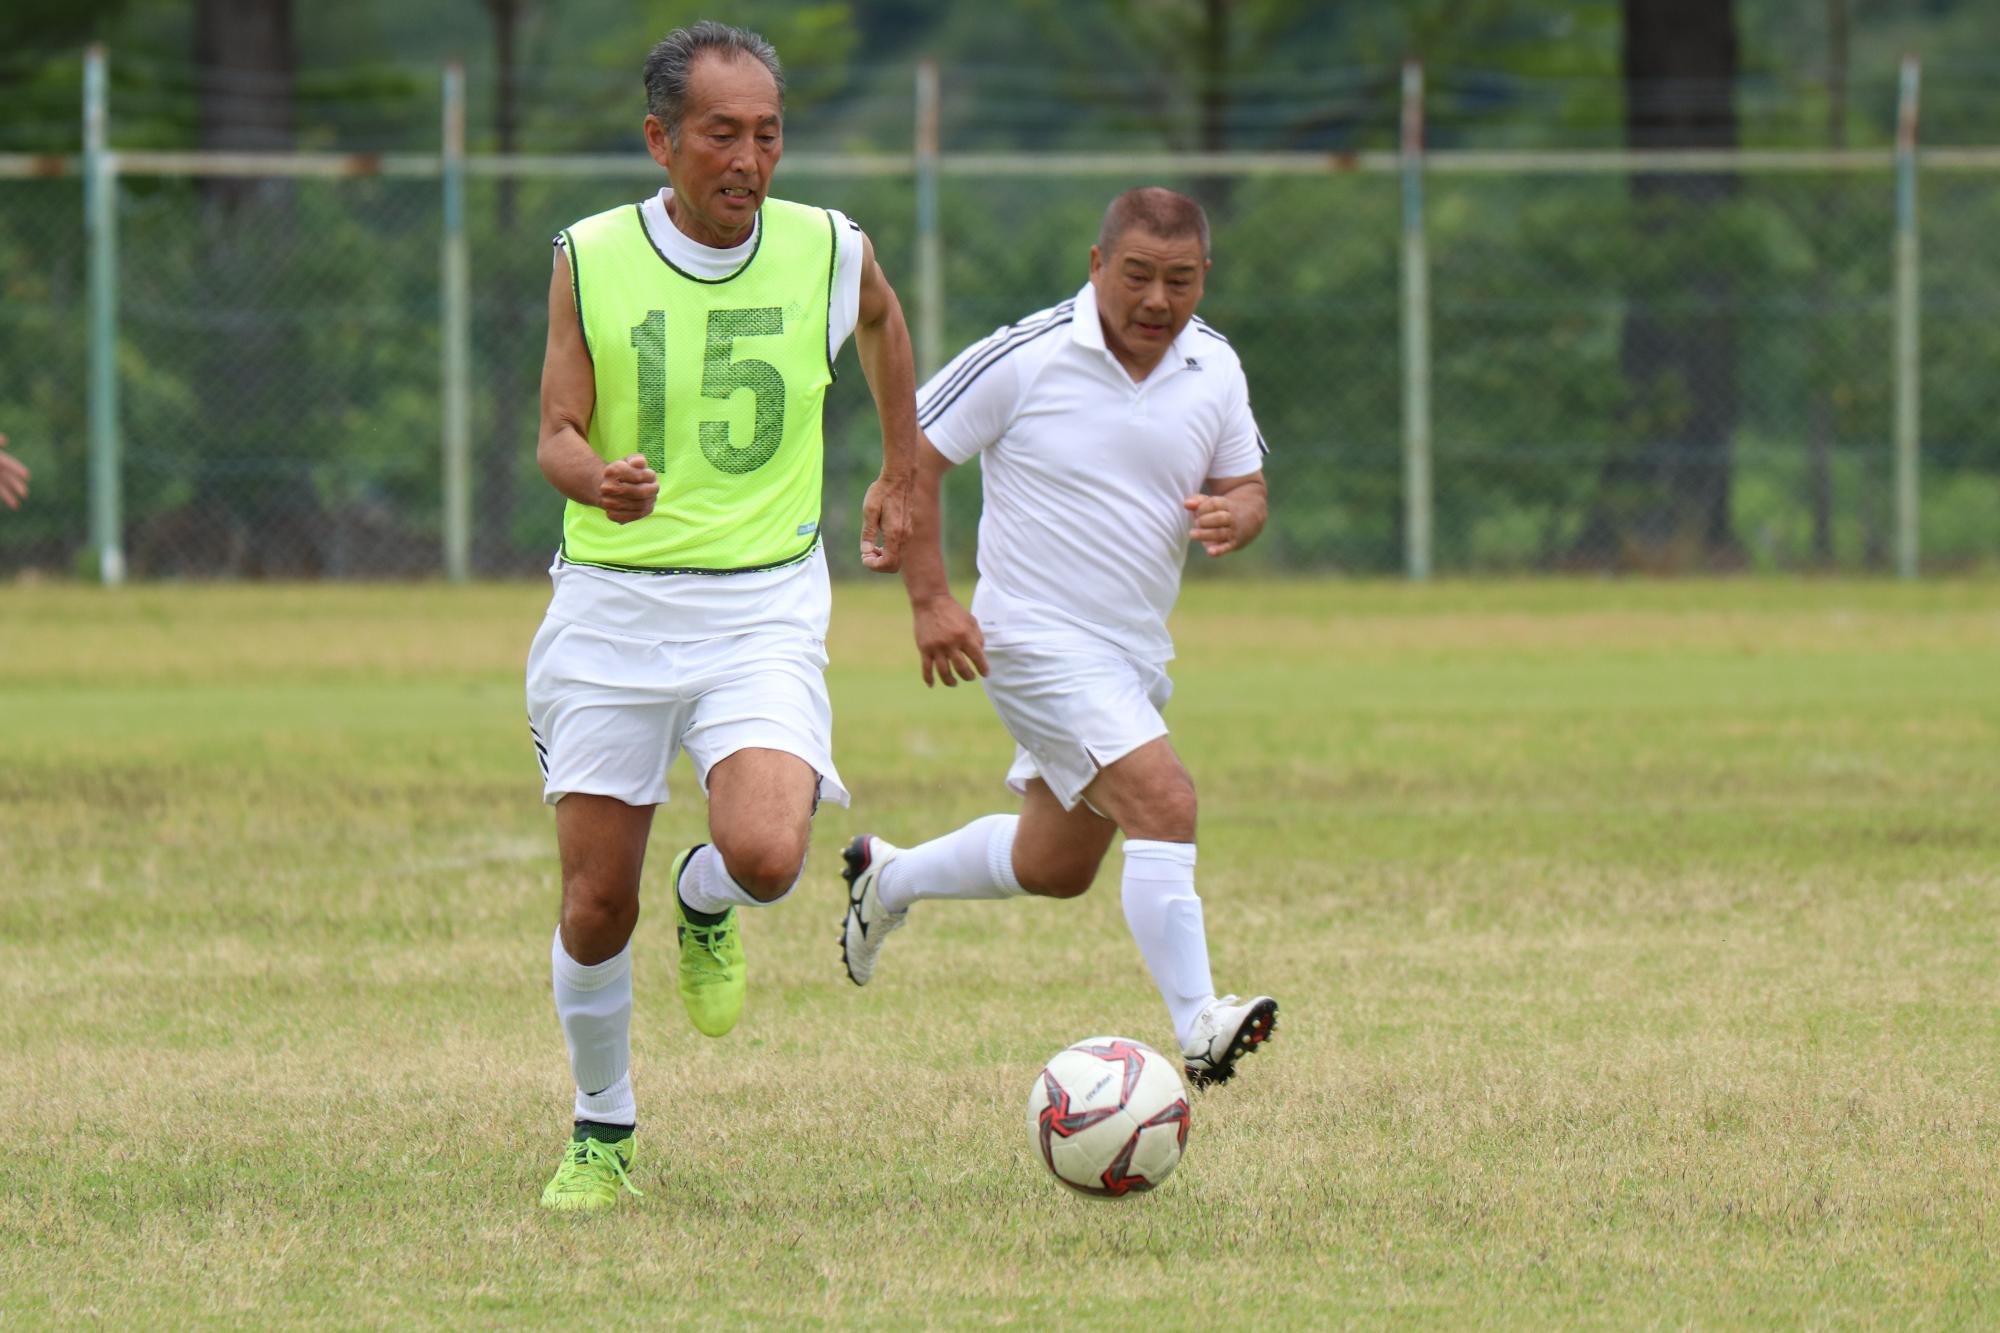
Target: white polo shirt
(1084,472)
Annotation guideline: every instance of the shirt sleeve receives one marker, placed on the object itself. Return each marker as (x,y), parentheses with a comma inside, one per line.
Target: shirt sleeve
(967,406)
(1241,449)
(844,312)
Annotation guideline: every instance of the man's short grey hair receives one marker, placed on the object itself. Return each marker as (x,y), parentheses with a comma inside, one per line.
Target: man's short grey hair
(1155,210)
(671,64)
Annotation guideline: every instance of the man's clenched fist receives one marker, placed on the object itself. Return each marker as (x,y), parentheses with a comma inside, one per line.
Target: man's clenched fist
(628,489)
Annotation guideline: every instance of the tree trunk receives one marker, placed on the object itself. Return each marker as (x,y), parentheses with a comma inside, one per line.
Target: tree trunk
(1215,76)
(250,364)
(1213,100)
(1664,493)
(249,69)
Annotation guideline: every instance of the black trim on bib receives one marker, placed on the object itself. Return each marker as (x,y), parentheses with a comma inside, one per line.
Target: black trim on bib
(832,266)
(756,244)
(567,244)
(562,552)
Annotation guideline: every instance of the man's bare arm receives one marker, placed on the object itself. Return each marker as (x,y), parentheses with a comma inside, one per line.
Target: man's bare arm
(1232,513)
(624,489)
(882,340)
(949,640)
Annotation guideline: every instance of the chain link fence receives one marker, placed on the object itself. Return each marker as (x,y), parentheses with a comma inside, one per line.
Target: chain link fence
(1960,227)
(42,370)
(1671,374)
(279,358)
(1677,373)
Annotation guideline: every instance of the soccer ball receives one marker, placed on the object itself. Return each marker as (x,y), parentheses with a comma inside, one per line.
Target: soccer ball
(1109,1117)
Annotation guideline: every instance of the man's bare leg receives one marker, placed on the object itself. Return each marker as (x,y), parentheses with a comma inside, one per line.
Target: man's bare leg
(602,842)
(1057,852)
(1045,850)
(760,805)
(603,846)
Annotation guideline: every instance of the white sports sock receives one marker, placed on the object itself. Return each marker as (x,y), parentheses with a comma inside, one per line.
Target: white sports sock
(706,885)
(595,1005)
(613,1106)
(1165,916)
(976,861)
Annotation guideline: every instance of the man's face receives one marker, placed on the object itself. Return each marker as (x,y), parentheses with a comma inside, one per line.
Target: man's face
(731,138)
(1147,289)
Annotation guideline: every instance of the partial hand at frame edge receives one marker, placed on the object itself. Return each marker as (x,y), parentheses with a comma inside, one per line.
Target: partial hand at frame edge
(13,478)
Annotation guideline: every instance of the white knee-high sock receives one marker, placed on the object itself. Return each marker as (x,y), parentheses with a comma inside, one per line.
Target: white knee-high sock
(1165,916)
(976,861)
(707,886)
(595,1005)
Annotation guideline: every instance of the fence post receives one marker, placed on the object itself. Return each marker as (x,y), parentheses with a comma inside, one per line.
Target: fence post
(100,211)
(457,370)
(930,256)
(930,245)
(1416,334)
(1908,306)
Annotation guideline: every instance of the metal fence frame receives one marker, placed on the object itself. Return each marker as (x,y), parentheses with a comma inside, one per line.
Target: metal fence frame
(102,167)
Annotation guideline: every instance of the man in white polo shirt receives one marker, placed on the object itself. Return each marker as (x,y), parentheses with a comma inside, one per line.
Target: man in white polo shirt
(1112,429)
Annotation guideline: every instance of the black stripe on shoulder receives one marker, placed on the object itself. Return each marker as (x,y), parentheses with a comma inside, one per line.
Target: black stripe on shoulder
(1210,330)
(1026,324)
(941,402)
(1262,447)
(987,355)
(997,345)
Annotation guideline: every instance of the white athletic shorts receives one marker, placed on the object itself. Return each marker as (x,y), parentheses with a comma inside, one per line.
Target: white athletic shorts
(609,712)
(1073,705)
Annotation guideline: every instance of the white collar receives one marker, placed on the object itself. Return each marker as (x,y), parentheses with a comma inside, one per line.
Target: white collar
(684,251)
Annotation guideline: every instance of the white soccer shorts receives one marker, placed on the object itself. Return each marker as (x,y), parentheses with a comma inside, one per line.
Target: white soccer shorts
(1073,706)
(608,712)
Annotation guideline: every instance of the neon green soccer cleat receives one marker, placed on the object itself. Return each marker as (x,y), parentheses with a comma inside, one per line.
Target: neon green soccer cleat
(591,1174)
(713,972)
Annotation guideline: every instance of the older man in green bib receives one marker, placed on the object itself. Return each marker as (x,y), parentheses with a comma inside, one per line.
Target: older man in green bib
(692,336)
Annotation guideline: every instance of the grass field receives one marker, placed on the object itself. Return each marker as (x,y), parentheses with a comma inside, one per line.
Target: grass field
(1639,948)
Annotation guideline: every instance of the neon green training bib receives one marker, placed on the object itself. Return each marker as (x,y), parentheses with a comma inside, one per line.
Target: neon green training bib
(718,383)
